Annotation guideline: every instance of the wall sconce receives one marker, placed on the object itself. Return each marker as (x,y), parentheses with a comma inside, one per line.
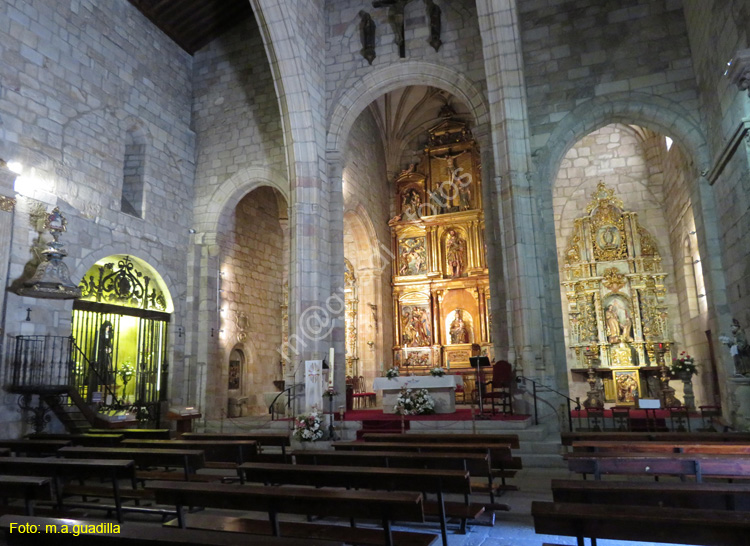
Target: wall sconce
(180,331)
(12,166)
(28,314)
(370,344)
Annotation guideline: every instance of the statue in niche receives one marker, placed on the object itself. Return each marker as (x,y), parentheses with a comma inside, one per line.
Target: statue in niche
(367,36)
(396,18)
(738,348)
(619,323)
(450,188)
(464,197)
(410,203)
(433,14)
(455,251)
(459,331)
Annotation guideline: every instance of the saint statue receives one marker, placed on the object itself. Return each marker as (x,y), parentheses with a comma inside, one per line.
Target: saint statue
(410,203)
(738,348)
(455,250)
(458,330)
(613,325)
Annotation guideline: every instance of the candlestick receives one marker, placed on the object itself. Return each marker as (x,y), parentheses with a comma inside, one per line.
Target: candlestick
(330,368)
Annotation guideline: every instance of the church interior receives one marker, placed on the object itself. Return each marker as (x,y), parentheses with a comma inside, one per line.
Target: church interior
(274,226)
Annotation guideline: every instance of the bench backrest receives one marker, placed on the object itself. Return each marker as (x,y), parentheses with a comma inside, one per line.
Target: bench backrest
(291,500)
(660,463)
(391,479)
(661,447)
(444,437)
(477,464)
(36,447)
(233,451)
(143,457)
(93,440)
(498,452)
(138,433)
(264,439)
(568,438)
(71,468)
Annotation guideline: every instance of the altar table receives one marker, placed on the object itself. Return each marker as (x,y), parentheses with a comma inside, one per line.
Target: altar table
(441,389)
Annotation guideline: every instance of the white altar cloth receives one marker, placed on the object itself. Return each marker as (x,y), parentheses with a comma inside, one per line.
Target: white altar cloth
(441,389)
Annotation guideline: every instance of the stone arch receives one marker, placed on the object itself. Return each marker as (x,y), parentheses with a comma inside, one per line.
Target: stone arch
(653,112)
(363,230)
(366,89)
(227,195)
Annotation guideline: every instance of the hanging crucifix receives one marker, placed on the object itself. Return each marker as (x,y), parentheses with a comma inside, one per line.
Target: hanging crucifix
(396,18)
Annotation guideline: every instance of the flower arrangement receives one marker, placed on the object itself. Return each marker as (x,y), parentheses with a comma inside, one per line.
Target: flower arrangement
(684,364)
(411,402)
(390,373)
(307,428)
(437,372)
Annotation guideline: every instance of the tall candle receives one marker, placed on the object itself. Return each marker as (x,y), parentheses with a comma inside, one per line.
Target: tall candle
(330,368)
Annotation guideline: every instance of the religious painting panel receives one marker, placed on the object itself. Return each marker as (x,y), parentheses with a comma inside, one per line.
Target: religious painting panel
(412,256)
(415,325)
(460,327)
(415,358)
(412,201)
(627,384)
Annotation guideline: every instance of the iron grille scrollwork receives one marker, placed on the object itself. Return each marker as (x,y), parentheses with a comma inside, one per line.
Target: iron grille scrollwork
(122,284)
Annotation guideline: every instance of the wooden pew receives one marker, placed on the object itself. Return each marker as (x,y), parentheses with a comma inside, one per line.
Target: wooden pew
(189,460)
(641,523)
(136,433)
(439,482)
(131,534)
(501,459)
(5,452)
(225,451)
(264,439)
(568,438)
(699,465)
(443,438)
(63,469)
(33,448)
(28,488)
(661,447)
(730,496)
(478,464)
(385,506)
(91,440)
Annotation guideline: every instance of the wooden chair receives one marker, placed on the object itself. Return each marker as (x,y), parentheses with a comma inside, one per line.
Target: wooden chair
(498,389)
(595,419)
(369,396)
(621,418)
(362,397)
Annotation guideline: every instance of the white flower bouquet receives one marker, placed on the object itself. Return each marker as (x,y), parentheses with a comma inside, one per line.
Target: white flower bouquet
(307,428)
(414,402)
(437,372)
(390,373)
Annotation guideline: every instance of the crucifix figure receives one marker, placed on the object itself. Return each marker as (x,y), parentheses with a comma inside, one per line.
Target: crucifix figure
(396,18)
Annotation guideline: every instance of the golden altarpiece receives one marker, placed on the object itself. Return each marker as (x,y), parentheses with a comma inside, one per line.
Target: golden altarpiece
(613,278)
(441,291)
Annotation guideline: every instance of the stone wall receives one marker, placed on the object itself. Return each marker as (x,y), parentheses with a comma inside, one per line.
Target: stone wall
(76,77)
(252,263)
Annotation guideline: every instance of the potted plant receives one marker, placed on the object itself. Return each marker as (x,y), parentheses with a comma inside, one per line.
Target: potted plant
(308,428)
(414,402)
(684,367)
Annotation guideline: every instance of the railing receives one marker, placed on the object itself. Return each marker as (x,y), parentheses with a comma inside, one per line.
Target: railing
(290,395)
(540,388)
(47,361)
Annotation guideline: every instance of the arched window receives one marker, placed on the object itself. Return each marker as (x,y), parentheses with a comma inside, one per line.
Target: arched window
(691,290)
(236,361)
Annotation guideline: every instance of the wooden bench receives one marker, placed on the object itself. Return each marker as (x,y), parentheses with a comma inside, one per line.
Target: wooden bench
(444,437)
(5,452)
(568,438)
(264,439)
(699,465)
(63,469)
(136,433)
(233,452)
(385,506)
(729,496)
(439,482)
(660,447)
(91,440)
(641,523)
(130,534)
(189,460)
(478,464)
(33,448)
(28,488)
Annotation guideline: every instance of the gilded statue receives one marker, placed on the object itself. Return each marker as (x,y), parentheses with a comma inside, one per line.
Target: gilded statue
(459,332)
(455,248)
(613,325)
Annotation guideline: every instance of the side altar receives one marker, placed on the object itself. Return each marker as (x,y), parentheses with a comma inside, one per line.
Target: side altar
(442,389)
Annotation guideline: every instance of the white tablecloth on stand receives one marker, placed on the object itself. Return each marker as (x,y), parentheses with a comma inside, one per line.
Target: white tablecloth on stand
(442,389)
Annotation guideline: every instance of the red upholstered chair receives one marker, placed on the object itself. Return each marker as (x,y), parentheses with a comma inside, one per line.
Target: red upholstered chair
(498,390)
(362,397)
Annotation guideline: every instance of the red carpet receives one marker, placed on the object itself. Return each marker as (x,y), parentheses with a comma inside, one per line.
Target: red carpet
(460,415)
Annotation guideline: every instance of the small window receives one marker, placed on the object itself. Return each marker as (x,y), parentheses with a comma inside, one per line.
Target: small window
(235,370)
(131,200)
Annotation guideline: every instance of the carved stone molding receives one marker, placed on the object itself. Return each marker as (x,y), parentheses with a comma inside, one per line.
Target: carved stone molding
(738,70)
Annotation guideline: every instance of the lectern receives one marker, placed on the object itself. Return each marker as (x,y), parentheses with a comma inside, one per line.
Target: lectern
(479,362)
